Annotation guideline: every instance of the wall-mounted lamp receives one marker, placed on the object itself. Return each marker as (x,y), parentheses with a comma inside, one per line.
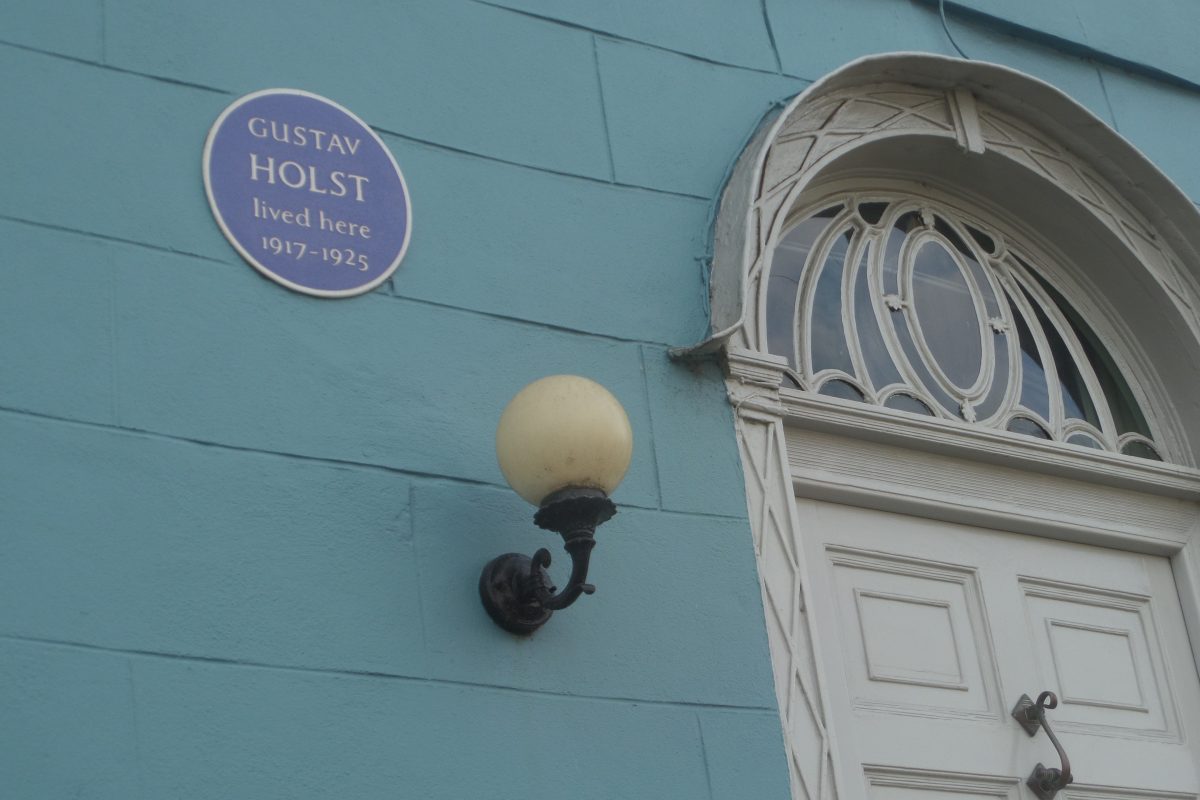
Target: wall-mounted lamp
(563,443)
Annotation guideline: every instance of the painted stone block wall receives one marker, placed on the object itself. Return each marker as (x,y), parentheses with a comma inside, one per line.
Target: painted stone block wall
(240,529)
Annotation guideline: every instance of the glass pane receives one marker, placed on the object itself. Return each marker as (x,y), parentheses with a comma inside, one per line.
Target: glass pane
(986,242)
(826,334)
(1141,450)
(947,314)
(990,403)
(945,229)
(900,323)
(904,225)
(872,212)
(1035,393)
(991,303)
(1083,440)
(901,228)
(1121,403)
(906,402)
(1077,401)
(786,268)
(881,369)
(836,388)
(1028,427)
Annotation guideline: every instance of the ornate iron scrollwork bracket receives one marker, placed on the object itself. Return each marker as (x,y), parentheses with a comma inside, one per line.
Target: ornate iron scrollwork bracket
(517,591)
(1044,781)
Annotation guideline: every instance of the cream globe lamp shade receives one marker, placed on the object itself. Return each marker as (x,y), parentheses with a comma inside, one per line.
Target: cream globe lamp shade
(563,431)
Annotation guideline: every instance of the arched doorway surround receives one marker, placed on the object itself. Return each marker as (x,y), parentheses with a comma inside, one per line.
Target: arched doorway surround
(1126,245)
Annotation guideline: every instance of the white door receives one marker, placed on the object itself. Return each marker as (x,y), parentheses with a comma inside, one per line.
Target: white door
(932,630)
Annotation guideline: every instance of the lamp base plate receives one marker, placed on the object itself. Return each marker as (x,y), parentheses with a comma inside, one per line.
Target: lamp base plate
(500,590)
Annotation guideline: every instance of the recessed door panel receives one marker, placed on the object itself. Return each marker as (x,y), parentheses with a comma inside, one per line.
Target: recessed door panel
(914,637)
(1102,649)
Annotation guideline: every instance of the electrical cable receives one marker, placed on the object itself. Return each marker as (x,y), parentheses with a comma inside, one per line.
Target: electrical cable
(946,28)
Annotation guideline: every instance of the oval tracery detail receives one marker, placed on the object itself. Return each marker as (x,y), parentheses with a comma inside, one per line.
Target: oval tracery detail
(903,303)
(945,315)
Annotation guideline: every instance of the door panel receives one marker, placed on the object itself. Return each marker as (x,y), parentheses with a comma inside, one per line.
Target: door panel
(934,629)
(915,635)
(1103,652)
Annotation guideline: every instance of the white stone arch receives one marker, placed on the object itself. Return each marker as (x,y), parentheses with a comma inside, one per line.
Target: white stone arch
(1041,158)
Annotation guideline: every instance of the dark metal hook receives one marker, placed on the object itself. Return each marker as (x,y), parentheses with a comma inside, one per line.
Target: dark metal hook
(1044,781)
(540,586)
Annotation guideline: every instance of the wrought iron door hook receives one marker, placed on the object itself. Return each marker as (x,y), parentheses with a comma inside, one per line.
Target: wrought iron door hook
(1044,781)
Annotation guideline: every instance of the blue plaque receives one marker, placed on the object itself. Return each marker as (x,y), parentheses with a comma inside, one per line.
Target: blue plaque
(307,193)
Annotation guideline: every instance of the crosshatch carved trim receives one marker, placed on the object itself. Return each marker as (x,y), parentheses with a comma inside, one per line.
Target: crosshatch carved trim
(794,659)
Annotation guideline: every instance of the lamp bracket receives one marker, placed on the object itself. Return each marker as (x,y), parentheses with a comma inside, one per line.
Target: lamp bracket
(517,591)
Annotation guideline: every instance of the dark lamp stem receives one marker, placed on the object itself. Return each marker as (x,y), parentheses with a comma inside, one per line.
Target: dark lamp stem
(517,591)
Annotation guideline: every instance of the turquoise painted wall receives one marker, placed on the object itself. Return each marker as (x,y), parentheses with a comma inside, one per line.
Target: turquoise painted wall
(240,529)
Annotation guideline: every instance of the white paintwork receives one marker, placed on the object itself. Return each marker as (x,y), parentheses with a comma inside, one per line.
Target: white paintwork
(1003,614)
(942,492)
(999,537)
(563,431)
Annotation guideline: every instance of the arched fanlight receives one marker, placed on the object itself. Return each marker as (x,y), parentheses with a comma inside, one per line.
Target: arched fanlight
(912,305)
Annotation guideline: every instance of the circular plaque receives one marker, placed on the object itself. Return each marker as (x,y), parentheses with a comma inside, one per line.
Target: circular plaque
(307,193)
